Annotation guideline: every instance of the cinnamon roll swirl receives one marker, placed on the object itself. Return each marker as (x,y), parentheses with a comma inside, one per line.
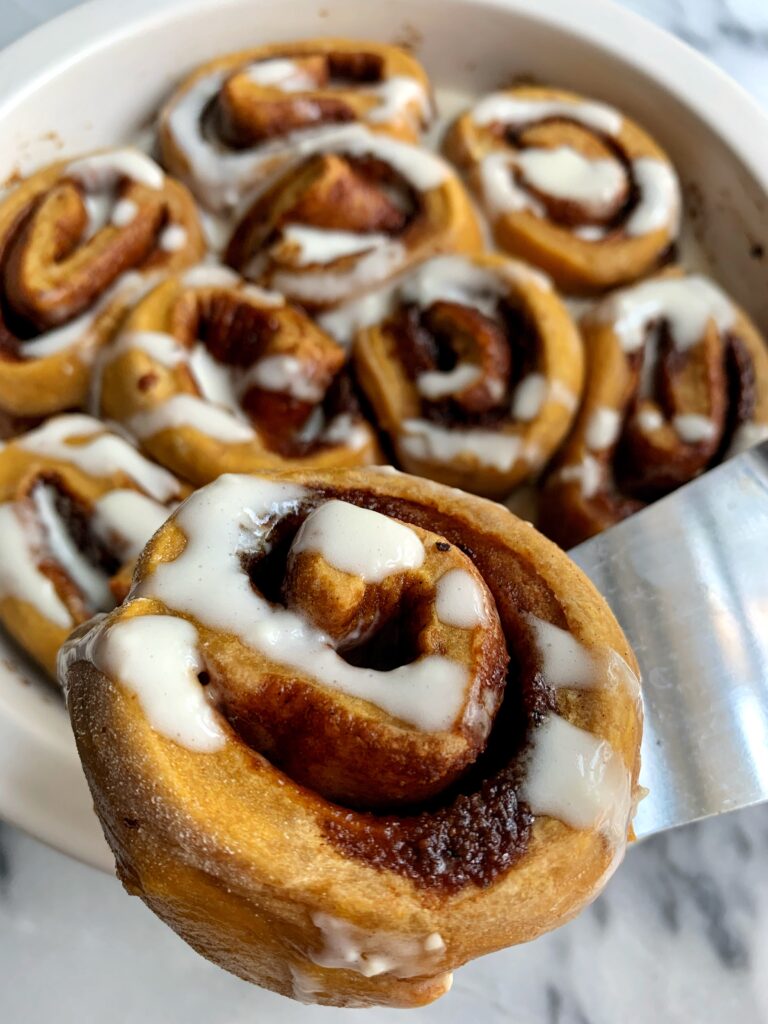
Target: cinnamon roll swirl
(78,242)
(677,379)
(569,184)
(212,375)
(239,118)
(473,368)
(77,505)
(353,210)
(397,729)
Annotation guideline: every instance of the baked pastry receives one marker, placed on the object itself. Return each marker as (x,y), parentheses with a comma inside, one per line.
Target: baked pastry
(397,729)
(79,241)
(214,375)
(572,185)
(241,117)
(77,505)
(677,379)
(473,368)
(350,213)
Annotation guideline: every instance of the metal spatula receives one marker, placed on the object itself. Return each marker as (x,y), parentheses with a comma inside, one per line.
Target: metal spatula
(687,579)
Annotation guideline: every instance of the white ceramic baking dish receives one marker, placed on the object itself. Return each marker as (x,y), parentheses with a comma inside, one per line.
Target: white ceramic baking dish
(94,76)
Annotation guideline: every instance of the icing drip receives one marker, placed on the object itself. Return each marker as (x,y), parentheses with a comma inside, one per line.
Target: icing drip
(588,474)
(686,304)
(321,245)
(347,947)
(91,581)
(358,541)
(459,600)
(429,693)
(425,440)
(659,205)
(511,110)
(125,520)
(98,453)
(530,395)
(693,429)
(436,384)
(173,238)
(567,174)
(195,413)
(579,779)
(20,577)
(603,428)
(103,171)
(157,658)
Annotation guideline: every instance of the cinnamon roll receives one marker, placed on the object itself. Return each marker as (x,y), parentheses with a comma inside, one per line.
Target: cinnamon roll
(473,368)
(351,730)
(77,505)
(78,242)
(239,118)
(212,375)
(677,379)
(353,210)
(569,184)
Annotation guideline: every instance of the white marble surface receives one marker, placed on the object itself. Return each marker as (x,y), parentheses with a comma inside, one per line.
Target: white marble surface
(681,935)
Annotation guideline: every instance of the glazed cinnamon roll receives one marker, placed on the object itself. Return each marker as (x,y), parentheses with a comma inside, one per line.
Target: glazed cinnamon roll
(677,379)
(77,505)
(354,729)
(78,242)
(354,210)
(571,185)
(473,368)
(239,118)
(214,375)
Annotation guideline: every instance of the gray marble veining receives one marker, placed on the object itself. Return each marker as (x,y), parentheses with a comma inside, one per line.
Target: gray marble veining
(679,937)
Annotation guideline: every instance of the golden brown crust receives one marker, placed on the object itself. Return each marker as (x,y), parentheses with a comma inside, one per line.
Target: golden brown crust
(52,274)
(551,237)
(241,329)
(527,349)
(721,380)
(247,865)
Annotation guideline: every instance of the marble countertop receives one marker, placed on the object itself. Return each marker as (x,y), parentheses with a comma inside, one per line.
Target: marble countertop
(680,935)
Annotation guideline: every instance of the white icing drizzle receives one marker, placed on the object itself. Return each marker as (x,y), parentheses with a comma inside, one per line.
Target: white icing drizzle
(746,436)
(371,268)
(128,287)
(603,428)
(512,110)
(344,322)
(214,379)
(424,440)
(20,576)
(280,73)
(100,454)
(561,394)
(578,778)
(91,581)
(692,428)
(157,657)
(193,412)
(687,304)
(530,395)
(460,601)
(173,238)
(397,94)
(221,176)
(588,474)
(210,275)
(103,171)
(344,429)
(163,348)
(123,213)
(359,541)
(125,520)
(322,245)
(649,419)
(347,947)
(285,374)
(564,661)
(207,582)
(659,203)
(435,384)
(567,174)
